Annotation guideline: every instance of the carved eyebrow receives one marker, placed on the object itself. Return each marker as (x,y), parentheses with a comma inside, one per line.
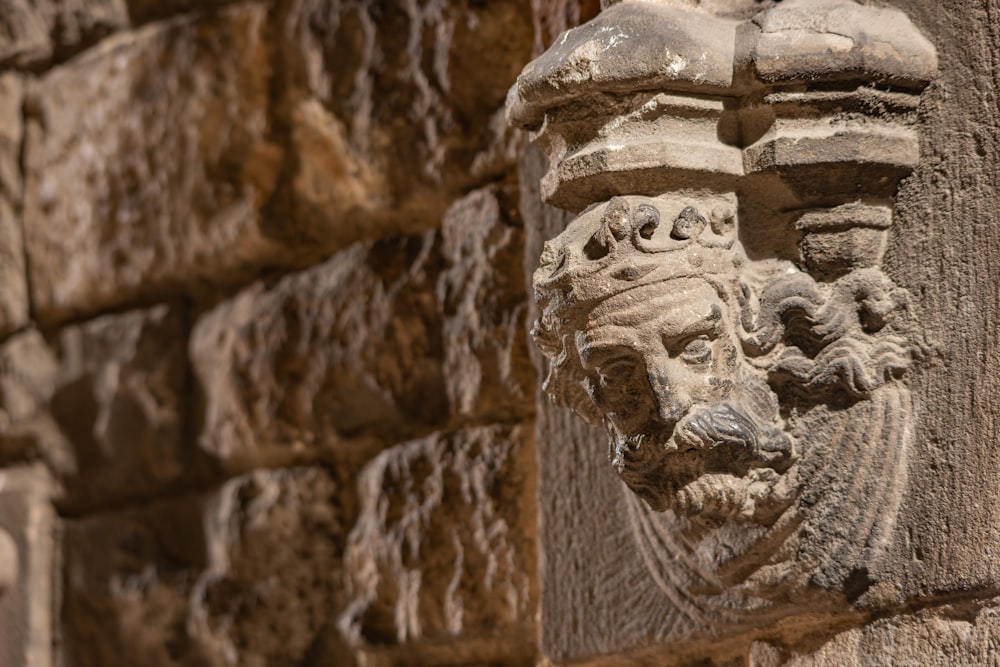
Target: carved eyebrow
(603,354)
(704,323)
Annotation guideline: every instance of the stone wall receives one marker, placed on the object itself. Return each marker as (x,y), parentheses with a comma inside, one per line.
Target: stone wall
(267,395)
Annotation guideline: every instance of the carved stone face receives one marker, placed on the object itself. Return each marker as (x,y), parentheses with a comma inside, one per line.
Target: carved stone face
(693,428)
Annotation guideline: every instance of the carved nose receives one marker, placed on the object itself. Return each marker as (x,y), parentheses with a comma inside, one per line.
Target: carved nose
(670,401)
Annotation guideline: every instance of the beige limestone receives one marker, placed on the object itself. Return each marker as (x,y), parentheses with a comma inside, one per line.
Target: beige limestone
(34,32)
(828,149)
(245,575)
(135,182)
(442,547)
(369,124)
(14,295)
(481,296)
(105,405)
(331,361)
(392,112)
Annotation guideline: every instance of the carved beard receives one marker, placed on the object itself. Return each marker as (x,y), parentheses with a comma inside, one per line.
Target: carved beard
(717,463)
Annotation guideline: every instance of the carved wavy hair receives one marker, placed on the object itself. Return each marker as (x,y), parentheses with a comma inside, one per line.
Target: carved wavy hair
(852,336)
(848,337)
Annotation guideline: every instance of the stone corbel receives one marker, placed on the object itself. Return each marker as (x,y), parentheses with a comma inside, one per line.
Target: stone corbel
(719,305)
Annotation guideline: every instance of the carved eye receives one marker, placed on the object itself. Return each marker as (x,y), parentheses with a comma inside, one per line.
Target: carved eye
(697,350)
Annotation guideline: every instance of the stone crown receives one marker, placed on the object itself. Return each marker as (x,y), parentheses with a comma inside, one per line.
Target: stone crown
(621,246)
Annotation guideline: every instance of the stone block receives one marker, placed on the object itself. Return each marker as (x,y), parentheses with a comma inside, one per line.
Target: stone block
(27,568)
(33,32)
(481,292)
(384,342)
(628,46)
(247,575)
(443,550)
(14,290)
(394,111)
(325,360)
(105,405)
(147,161)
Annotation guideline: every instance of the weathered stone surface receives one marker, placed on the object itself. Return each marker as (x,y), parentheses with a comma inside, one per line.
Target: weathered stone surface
(393,110)
(804,40)
(643,99)
(482,300)
(381,343)
(29,374)
(33,32)
(935,544)
(627,47)
(27,568)
(13,285)
(104,405)
(334,356)
(249,575)
(147,162)
(443,547)
(958,633)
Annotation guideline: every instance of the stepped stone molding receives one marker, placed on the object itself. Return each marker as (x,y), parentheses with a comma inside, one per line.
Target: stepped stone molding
(719,304)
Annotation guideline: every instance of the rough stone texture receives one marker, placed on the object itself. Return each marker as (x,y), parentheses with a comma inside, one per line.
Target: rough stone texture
(247,575)
(14,295)
(935,548)
(165,200)
(147,162)
(481,294)
(803,40)
(325,360)
(105,405)
(442,547)
(27,523)
(945,249)
(391,113)
(28,377)
(33,32)
(955,633)
(230,141)
(381,343)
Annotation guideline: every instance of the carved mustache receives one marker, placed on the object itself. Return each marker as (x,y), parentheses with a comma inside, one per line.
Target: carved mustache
(724,435)
(718,438)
